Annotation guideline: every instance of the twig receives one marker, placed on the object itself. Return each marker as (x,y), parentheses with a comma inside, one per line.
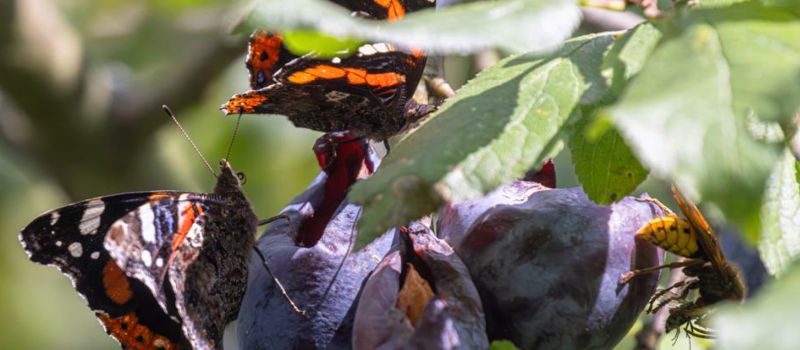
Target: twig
(601,20)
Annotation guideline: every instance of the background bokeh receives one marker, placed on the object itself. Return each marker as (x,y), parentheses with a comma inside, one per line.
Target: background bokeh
(81,85)
(61,142)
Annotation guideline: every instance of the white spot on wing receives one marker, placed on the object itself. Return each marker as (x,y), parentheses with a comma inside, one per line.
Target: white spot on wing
(75,249)
(147,259)
(367,50)
(59,243)
(54,217)
(336,60)
(194,238)
(91,217)
(95,255)
(147,220)
(381,47)
(159,262)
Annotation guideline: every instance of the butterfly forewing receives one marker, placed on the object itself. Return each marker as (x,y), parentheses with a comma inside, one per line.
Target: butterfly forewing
(71,238)
(265,55)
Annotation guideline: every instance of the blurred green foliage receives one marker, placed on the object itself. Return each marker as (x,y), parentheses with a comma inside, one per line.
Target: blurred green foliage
(140,39)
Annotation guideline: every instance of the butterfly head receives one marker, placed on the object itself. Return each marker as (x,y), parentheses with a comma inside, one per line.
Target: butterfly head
(228,179)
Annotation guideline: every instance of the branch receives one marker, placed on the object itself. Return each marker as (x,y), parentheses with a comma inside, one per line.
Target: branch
(601,20)
(139,109)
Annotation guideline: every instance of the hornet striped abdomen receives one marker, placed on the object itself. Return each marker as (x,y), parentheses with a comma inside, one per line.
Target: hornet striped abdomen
(673,234)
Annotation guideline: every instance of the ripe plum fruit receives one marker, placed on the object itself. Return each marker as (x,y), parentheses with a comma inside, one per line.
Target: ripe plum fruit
(547,262)
(420,297)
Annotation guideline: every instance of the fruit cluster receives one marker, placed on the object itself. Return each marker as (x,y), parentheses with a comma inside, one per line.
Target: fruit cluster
(535,265)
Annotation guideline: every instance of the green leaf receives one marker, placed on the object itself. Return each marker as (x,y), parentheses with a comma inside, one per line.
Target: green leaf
(767,321)
(685,114)
(789,4)
(606,167)
(301,42)
(752,36)
(505,121)
(780,214)
(629,55)
(502,345)
(517,25)
(717,3)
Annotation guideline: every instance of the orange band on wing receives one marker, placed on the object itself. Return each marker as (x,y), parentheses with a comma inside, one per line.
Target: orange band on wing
(115,283)
(354,76)
(385,79)
(133,335)
(187,219)
(394,9)
(322,71)
(244,103)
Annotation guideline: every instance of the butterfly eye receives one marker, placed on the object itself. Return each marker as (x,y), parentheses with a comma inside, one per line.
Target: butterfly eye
(242,178)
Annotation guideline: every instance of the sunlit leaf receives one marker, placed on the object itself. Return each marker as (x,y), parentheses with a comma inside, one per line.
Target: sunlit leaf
(502,345)
(606,166)
(790,4)
(685,114)
(780,216)
(504,122)
(301,42)
(768,321)
(517,25)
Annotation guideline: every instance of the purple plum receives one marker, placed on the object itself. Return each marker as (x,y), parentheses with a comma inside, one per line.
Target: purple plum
(547,264)
(452,319)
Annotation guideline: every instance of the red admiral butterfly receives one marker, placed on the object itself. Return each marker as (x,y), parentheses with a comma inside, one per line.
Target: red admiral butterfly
(368,93)
(162,269)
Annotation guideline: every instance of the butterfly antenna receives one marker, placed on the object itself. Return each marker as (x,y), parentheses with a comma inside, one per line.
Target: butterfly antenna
(186,135)
(233,138)
(278,283)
